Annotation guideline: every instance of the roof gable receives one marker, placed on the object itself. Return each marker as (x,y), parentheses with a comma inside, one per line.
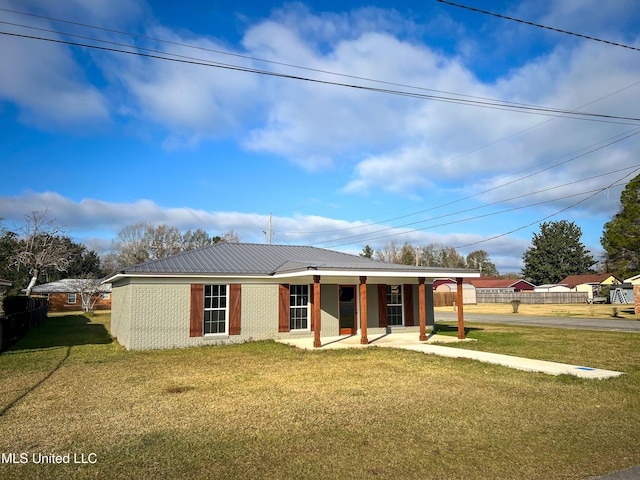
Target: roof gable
(574,280)
(494,282)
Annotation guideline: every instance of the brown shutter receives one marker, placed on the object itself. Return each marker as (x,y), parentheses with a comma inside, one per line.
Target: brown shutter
(383,317)
(235,308)
(408,305)
(283,308)
(197,310)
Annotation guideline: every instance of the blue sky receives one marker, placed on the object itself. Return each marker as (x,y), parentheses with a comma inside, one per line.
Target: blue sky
(103,139)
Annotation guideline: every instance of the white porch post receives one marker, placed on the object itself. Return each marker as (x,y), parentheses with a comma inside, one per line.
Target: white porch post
(315,312)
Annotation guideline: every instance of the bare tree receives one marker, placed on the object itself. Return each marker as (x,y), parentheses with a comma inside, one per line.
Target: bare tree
(41,246)
(390,253)
(131,244)
(90,290)
(228,237)
(198,238)
(162,241)
(142,241)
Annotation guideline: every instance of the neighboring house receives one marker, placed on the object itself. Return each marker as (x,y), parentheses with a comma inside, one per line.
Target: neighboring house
(591,283)
(235,292)
(551,288)
(468,291)
(634,296)
(65,295)
(500,285)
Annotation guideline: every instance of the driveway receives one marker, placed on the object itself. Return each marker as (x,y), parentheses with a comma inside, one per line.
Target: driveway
(610,324)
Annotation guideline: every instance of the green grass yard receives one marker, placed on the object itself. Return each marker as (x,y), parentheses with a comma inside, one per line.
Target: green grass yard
(265,410)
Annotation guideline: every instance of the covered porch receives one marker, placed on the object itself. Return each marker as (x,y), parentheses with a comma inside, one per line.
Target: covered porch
(394,340)
(367,306)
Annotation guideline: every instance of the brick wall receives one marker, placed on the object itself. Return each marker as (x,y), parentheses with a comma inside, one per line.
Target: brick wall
(636,299)
(59,302)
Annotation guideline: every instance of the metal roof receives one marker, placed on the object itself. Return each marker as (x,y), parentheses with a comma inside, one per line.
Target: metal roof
(67,285)
(262,259)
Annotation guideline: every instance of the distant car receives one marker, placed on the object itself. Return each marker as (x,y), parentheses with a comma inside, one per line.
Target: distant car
(598,300)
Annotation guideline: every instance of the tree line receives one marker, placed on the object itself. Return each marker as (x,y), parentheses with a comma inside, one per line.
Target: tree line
(143,241)
(432,255)
(40,250)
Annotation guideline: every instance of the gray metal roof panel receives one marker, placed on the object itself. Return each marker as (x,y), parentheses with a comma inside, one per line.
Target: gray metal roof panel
(67,285)
(262,259)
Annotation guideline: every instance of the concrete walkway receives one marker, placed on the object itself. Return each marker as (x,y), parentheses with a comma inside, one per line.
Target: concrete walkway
(409,341)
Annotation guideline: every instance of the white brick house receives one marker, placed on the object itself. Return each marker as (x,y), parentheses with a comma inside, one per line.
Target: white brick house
(234,292)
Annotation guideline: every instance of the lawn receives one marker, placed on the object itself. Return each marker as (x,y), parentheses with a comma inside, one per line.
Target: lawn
(265,410)
(577,310)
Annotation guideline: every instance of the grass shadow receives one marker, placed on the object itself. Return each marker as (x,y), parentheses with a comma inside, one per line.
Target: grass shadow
(452,329)
(65,331)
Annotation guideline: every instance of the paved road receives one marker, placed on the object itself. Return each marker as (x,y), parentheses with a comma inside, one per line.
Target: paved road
(629,474)
(610,324)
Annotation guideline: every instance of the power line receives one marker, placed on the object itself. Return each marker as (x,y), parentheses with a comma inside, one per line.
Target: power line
(617,140)
(237,55)
(614,184)
(539,25)
(495,105)
(354,238)
(467,153)
(593,193)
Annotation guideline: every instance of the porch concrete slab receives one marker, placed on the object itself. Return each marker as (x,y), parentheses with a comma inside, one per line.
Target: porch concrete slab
(409,341)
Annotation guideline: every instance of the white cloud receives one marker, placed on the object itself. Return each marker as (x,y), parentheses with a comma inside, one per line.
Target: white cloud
(46,81)
(96,222)
(48,87)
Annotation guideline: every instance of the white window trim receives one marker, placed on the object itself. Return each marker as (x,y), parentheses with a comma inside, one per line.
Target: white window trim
(396,304)
(226,311)
(308,308)
(75,298)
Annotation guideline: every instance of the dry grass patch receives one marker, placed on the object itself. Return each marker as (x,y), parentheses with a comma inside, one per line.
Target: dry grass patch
(264,410)
(578,310)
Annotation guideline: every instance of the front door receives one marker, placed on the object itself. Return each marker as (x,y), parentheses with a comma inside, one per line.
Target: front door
(347,300)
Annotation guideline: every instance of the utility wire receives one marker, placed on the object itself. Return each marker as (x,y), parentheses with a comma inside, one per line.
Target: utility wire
(237,55)
(496,105)
(490,104)
(619,139)
(538,25)
(355,238)
(595,192)
(618,182)
(473,151)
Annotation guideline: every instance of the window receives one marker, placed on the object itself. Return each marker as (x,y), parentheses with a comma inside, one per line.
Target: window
(215,309)
(106,296)
(394,305)
(299,307)
(71,298)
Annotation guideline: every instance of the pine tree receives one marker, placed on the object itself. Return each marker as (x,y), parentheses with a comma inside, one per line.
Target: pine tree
(621,236)
(556,253)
